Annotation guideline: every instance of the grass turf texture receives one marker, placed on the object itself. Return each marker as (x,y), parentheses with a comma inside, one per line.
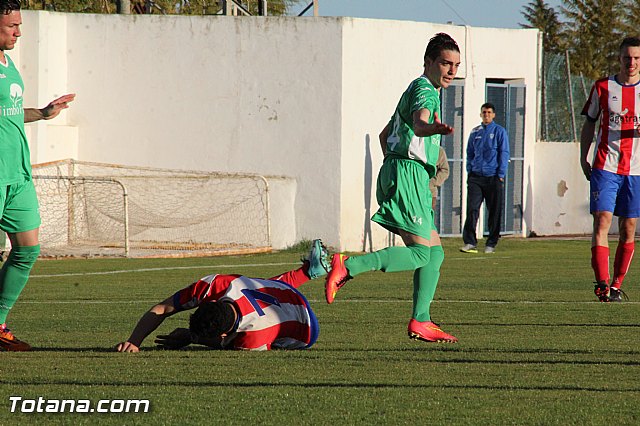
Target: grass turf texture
(535,346)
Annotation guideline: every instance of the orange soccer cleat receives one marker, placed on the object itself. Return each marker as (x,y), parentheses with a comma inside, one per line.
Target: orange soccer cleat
(429,332)
(9,342)
(338,276)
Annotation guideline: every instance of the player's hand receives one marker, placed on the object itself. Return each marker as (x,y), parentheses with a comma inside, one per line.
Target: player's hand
(56,106)
(178,338)
(127,347)
(440,127)
(586,169)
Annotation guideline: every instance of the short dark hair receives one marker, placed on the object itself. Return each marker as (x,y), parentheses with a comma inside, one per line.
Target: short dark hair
(8,6)
(629,42)
(212,319)
(488,105)
(438,43)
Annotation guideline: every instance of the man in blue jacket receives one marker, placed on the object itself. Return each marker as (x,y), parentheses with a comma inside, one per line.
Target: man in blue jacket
(487,162)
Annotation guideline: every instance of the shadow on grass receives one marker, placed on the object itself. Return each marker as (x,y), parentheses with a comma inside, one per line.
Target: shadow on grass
(460,348)
(551,324)
(226,384)
(110,349)
(419,348)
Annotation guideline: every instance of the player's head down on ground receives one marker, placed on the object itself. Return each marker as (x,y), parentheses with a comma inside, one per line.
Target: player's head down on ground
(212,319)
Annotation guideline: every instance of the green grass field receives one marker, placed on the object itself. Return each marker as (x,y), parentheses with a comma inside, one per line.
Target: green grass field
(535,347)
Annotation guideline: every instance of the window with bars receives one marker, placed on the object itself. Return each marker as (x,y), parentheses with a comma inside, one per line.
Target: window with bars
(448,208)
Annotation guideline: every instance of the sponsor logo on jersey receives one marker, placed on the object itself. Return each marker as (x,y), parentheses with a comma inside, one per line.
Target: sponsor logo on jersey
(623,117)
(15,94)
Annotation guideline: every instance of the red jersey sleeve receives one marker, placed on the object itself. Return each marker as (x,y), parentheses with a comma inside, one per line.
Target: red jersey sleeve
(206,289)
(592,106)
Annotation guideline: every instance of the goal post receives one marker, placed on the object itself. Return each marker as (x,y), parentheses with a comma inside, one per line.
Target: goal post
(95,209)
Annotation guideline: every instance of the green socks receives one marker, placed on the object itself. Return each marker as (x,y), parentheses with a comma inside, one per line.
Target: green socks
(390,259)
(425,281)
(426,262)
(14,275)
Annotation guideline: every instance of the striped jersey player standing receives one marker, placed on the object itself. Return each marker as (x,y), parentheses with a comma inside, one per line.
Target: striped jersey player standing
(614,170)
(238,312)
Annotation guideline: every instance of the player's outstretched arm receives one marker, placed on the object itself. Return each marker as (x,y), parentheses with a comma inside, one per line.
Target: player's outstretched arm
(50,111)
(146,325)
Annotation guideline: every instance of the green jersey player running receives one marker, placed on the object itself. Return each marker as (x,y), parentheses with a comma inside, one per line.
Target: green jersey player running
(410,143)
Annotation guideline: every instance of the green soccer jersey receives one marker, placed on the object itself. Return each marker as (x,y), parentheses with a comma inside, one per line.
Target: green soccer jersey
(402,141)
(15,160)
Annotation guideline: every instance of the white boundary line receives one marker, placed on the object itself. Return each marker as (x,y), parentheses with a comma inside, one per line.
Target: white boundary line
(245,265)
(133,271)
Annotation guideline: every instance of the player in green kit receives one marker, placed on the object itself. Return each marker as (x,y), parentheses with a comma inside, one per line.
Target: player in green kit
(411,145)
(19,214)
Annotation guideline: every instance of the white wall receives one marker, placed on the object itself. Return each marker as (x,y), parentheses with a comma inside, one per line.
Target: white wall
(284,96)
(561,197)
(41,55)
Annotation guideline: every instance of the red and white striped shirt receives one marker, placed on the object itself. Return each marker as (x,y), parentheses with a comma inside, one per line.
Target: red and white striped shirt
(618,140)
(273,314)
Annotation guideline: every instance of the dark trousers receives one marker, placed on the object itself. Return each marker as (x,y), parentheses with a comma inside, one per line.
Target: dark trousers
(479,189)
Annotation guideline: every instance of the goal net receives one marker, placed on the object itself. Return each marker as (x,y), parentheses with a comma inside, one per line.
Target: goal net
(93,209)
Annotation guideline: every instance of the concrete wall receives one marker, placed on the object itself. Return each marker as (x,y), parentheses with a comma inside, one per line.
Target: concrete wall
(301,98)
(561,197)
(42,56)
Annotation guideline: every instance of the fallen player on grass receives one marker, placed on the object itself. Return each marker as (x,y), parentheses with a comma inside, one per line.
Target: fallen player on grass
(238,312)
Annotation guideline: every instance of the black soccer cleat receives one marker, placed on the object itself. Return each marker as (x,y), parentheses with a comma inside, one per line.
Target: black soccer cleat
(601,290)
(617,295)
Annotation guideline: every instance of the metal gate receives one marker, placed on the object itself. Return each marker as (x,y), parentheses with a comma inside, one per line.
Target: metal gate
(448,208)
(509,100)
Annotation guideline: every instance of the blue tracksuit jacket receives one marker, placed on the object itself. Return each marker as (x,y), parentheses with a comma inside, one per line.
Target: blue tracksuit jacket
(488,150)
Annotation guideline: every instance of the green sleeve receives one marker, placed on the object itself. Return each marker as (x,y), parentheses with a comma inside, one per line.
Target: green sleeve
(421,97)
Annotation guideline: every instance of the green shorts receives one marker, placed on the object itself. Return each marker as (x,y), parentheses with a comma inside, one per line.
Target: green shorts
(20,212)
(404,198)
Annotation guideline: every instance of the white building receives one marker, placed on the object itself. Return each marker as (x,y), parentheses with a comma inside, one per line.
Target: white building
(299,100)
